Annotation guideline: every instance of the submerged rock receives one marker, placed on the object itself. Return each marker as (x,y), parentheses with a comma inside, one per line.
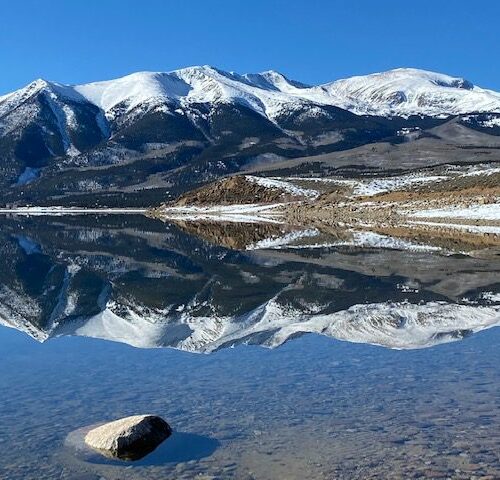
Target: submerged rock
(129,438)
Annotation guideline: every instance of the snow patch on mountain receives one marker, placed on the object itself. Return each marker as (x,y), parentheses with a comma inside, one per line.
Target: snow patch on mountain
(279,242)
(358,239)
(473,212)
(489,121)
(276,182)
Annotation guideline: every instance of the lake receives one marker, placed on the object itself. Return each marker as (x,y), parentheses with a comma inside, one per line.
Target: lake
(319,361)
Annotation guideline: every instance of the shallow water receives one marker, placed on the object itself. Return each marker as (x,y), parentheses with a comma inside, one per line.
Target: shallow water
(313,407)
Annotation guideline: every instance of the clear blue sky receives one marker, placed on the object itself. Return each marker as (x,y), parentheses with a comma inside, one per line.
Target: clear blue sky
(314,41)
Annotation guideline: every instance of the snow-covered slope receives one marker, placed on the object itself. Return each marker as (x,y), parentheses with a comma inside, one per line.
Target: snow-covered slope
(393,325)
(408,91)
(266,93)
(404,92)
(58,110)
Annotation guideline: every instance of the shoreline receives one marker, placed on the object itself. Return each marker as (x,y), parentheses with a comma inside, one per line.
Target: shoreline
(59,211)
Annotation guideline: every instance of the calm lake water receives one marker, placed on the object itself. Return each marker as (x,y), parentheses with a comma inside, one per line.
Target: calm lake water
(320,363)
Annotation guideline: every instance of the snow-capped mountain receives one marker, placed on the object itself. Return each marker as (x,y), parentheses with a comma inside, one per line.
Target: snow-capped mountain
(408,91)
(61,107)
(210,123)
(397,325)
(403,91)
(71,307)
(268,94)
(400,326)
(152,285)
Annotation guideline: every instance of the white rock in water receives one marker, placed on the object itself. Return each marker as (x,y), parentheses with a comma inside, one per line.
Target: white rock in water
(129,438)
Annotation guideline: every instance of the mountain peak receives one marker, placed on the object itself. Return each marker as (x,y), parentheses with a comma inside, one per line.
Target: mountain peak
(13,99)
(411,91)
(39,83)
(272,74)
(440,79)
(273,80)
(200,70)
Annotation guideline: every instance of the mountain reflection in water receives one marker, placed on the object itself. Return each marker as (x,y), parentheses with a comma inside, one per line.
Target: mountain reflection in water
(194,286)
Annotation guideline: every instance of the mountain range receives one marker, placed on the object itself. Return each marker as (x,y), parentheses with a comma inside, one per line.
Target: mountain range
(149,284)
(146,137)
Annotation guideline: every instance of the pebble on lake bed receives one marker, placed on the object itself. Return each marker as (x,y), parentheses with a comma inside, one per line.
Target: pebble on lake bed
(129,438)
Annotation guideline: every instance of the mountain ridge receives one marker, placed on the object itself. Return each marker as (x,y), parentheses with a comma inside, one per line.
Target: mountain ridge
(149,136)
(196,295)
(203,84)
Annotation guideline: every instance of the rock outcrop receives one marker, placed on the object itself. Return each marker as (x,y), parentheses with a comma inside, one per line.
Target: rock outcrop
(239,189)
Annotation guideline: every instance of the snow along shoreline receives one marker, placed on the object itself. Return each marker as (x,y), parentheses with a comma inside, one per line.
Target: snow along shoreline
(59,211)
(244,213)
